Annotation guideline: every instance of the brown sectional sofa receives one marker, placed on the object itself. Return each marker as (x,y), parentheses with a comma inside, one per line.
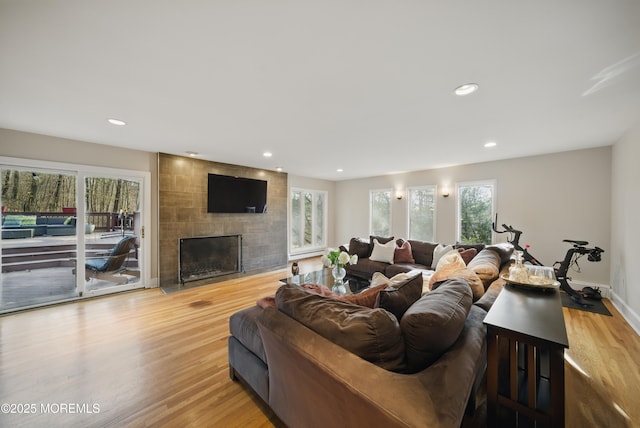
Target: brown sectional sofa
(422,254)
(318,361)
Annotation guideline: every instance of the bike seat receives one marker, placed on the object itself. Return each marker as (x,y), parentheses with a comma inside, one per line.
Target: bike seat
(581,243)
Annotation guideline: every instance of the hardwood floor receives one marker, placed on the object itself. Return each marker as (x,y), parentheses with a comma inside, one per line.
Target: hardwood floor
(144,358)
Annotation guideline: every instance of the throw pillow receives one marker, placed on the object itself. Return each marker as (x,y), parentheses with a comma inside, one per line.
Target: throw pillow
(397,298)
(366,297)
(403,254)
(476,284)
(447,265)
(383,252)
(467,254)
(438,252)
(267,302)
(434,323)
(381,239)
(360,247)
(372,334)
(12,221)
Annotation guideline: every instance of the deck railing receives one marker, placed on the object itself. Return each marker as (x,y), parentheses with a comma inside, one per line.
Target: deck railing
(103,221)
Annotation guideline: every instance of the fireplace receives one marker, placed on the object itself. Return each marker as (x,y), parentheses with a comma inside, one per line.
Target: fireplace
(209,256)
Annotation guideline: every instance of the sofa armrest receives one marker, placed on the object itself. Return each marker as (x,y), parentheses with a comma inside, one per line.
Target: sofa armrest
(316,383)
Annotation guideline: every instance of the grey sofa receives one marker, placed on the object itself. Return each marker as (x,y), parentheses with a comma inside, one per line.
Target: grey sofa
(311,376)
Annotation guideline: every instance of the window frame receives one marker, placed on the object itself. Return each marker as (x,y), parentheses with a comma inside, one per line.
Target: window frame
(434,188)
(477,183)
(371,192)
(314,247)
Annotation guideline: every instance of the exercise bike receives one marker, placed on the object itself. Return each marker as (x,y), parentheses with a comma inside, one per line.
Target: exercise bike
(561,268)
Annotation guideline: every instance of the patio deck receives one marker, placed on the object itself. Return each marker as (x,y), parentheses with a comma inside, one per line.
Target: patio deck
(22,286)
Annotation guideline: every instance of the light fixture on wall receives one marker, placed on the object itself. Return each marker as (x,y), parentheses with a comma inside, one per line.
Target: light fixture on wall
(445,192)
(399,194)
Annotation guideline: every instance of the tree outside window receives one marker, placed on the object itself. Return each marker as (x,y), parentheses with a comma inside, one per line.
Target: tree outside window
(475,212)
(422,213)
(380,212)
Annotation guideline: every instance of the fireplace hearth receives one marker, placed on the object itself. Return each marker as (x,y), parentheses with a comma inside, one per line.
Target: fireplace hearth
(209,256)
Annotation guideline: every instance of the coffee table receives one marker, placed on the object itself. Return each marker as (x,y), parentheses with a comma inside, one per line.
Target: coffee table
(351,284)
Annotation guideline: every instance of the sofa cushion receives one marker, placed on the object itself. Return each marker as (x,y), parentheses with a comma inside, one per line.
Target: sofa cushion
(372,334)
(438,252)
(397,297)
(243,327)
(365,268)
(433,323)
(504,250)
(359,247)
(486,265)
(422,252)
(403,253)
(383,252)
(28,220)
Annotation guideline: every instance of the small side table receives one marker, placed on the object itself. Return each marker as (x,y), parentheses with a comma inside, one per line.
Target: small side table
(526,339)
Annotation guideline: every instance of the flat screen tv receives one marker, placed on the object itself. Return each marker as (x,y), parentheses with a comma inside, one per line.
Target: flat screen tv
(227,194)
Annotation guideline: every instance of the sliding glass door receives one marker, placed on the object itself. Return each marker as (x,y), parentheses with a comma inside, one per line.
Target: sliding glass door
(39,242)
(68,232)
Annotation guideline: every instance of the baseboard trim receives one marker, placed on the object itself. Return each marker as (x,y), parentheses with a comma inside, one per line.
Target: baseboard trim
(627,313)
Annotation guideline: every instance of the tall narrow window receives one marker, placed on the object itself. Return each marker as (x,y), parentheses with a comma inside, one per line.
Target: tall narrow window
(475,212)
(422,213)
(380,212)
(308,230)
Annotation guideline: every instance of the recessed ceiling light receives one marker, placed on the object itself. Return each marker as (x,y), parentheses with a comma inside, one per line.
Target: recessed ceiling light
(117,122)
(339,170)
(279,169)
(267,154)
(490,144)
(466,89)
(193,154)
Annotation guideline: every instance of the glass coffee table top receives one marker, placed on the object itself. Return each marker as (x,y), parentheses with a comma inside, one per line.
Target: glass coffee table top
(351,284)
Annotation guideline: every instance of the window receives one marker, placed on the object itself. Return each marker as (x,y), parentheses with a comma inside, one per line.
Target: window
(422,213)
(475,212)
(308,221)
(380,212)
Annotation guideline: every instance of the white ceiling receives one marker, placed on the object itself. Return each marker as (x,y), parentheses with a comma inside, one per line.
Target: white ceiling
(360,85)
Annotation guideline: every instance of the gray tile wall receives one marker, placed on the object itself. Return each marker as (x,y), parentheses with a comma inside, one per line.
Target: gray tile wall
(183,214)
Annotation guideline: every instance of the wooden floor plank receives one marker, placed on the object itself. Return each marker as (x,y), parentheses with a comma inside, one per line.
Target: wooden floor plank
(150,359)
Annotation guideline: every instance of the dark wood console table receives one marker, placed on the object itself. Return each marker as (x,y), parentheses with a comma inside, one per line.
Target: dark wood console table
(526,338)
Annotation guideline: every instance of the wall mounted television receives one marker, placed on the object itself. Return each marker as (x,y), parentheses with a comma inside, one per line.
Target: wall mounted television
(227,194)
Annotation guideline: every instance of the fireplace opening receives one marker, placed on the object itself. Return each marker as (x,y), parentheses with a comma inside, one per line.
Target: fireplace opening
(209,256)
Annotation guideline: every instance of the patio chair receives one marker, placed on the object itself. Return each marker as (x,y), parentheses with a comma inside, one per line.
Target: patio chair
(106,267)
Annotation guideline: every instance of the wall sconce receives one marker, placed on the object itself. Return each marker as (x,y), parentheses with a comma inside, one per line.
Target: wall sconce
(445,192)
(399,194)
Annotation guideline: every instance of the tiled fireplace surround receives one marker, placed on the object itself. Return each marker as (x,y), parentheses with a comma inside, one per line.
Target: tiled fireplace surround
(183,214)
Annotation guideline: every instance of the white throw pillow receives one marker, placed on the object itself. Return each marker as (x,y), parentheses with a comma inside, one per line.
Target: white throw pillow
(450,258)
(438,252)
(383,252)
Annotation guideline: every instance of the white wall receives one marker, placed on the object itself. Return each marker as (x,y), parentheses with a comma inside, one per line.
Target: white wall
(548,197)
(625,231)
